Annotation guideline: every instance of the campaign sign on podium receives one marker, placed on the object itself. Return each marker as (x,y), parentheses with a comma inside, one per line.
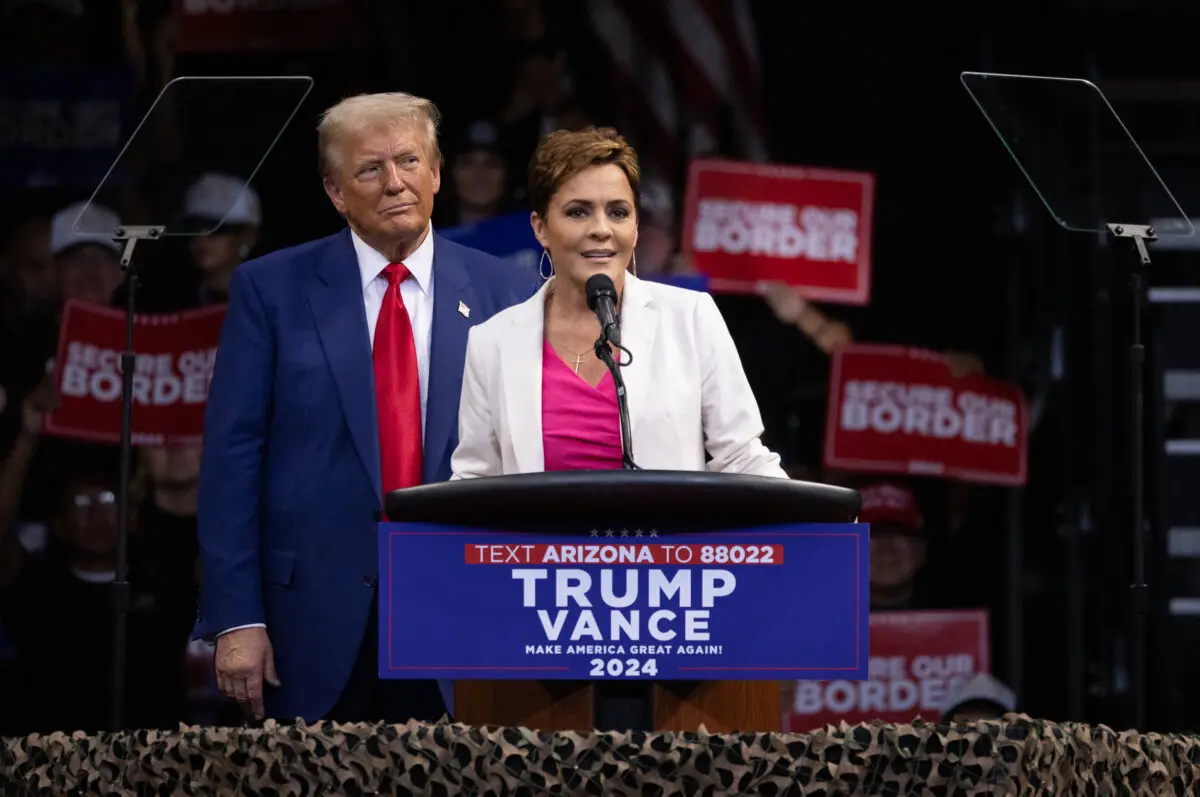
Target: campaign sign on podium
(778,602)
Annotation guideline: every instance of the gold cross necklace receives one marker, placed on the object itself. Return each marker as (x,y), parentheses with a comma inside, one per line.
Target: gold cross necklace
(578,357)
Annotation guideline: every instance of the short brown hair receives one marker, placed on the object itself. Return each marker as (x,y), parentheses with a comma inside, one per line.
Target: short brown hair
(565,153)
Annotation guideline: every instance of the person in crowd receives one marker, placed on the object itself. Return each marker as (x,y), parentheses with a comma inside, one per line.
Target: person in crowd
(338,382)
(87,257)
(86,267)
(658,238)
(658,254)
(28,316)
(170,476)
(28,287)
(898,545)
(480,172)
(536,397)
(56,604)
(228,213)
(983,697)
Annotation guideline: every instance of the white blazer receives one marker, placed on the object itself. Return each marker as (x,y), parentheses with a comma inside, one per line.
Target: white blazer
(687,390)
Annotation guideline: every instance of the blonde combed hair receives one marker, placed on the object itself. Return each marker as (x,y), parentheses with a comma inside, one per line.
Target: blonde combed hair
(366,111)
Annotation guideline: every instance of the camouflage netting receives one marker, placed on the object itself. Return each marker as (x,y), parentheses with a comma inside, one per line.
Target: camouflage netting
(1020,756)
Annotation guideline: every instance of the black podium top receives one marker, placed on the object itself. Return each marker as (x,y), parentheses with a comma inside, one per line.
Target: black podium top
(666,501)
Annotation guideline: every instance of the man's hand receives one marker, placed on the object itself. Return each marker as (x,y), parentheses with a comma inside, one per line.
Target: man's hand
(244,660)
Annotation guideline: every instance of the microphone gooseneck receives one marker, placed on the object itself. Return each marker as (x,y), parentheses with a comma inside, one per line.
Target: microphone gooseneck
(602,300)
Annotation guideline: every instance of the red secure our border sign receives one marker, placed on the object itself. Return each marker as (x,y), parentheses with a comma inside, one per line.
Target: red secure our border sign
(918,660)
(175,354)
(749,223)
(896,409)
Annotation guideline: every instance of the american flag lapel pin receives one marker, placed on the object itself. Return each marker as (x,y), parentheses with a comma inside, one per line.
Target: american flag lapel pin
(466,311)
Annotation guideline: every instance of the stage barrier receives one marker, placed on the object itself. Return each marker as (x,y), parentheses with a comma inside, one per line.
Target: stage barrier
(1019,756)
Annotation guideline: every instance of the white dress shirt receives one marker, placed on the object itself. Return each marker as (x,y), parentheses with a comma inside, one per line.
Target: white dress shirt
(417,293)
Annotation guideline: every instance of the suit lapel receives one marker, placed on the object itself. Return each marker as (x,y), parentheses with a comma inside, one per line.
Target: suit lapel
(447,356)
(521,375)
(639,327)
(341,319)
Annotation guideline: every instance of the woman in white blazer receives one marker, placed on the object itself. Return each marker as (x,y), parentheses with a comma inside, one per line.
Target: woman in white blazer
(535,396)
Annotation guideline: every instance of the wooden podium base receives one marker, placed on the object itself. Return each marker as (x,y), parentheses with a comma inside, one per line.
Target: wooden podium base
(720,706)
(540,705)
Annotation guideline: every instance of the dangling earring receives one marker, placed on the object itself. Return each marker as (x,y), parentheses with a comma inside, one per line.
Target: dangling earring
(633,264)
(243,251)
(543,259)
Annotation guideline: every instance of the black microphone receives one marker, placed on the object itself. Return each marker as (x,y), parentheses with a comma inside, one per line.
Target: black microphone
(602,300)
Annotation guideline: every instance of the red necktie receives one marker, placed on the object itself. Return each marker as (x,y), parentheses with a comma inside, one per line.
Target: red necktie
(397,388)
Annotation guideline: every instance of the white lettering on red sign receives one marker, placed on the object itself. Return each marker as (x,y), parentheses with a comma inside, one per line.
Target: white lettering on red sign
(923,685)
(158,379)
(928,411)
(736,227)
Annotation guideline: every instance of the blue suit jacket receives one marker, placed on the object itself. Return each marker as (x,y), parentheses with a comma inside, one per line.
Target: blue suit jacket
(290,483)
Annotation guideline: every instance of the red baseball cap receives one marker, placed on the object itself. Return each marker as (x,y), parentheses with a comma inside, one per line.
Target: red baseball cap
(886,503)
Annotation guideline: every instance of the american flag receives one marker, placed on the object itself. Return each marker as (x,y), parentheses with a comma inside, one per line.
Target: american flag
(687,78)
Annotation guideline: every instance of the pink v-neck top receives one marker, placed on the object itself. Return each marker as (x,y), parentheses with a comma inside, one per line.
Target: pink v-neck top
(581,425)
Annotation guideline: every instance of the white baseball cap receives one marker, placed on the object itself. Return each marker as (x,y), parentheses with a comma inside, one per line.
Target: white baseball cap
(983,688)
(92,218)
(218,197)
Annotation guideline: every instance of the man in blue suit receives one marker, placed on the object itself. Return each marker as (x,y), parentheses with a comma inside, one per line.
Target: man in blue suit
(337,380)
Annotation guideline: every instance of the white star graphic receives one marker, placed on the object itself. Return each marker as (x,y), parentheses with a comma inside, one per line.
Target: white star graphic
(608,533)
(624,532)
(637,533)
(653,533)
(595,532)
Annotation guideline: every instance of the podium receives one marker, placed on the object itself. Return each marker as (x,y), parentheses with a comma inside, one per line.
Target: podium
(580,502)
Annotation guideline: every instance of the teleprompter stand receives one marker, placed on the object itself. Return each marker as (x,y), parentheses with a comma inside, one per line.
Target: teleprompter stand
(120,586)
(1139,599)
(1038,119)
(196,110)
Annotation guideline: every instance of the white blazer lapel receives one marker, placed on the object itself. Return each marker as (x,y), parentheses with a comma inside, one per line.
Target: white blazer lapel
(639,325)
(519,358)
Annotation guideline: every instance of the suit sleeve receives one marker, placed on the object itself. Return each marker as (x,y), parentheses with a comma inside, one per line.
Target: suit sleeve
(236,424)
(478,451)
(732,422)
